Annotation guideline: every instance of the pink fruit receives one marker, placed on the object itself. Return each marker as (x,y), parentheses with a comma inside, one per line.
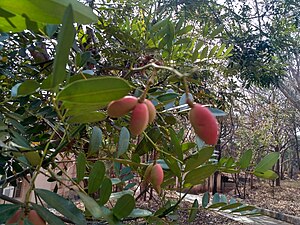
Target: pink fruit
(151,109)
(122,106)
(139,119)
(32,216)
(157,177)
(204,124)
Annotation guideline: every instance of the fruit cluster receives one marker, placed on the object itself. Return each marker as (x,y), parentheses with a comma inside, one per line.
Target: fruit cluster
(154,174)
(143,112)
(32,216)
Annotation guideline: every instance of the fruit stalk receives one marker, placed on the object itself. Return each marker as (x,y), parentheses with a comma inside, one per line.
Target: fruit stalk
(149,83)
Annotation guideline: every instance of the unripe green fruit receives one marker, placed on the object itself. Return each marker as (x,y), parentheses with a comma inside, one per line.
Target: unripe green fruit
(33,157)
(139,119)
(204,124)
(151,109)
(122,106)
(32,216)
(148,174)
(157,177)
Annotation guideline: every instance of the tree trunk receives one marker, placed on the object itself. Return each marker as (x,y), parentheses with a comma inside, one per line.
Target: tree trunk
(251,181)
(215,183)
(297,146)
(277,182)
(291,162)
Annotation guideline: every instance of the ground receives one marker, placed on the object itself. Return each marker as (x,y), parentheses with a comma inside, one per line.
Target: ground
(203,217)
(284,199)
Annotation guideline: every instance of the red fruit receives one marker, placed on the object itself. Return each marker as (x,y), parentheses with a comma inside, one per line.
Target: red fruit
(151,109)
(157,177)
(32,216)
(204,124)
(139,119)
(122,106)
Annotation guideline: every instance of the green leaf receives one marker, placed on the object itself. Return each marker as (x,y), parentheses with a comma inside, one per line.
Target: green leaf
(50,11)
(212,51)
(198,175)
(50,29)
(124,206)
(145,145)
(232,200)
(217,31)
(167,97)
(204,53)
(183,41)
(138,213)
(205,199)
(27,87)
(231,206)
(193,211)
(200,143)
(198,159)
(184,30)
(223,198)
(216,198)
(230,170)
(176,146)
(96,210)
(117,195)
(123,141)
(33,157)
(269,174)
(173,166)
(7,211)
(78,109)
(129,186)
(267,162)
(89,117)
(80,166)
(206,29)
(82,58)
(228,50)
(65,207)
(170,35)
(159,25)
(196,51)
(47,215)
(115,181)
(221,49)
(229,162)
(179,23)
(187,146)
(217,112)
(216,205)
(96,177)
(244,208)
(100,91)
(11,22)
(246,159)
(95,141)
(65,42)
(105,191)
(21,142)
